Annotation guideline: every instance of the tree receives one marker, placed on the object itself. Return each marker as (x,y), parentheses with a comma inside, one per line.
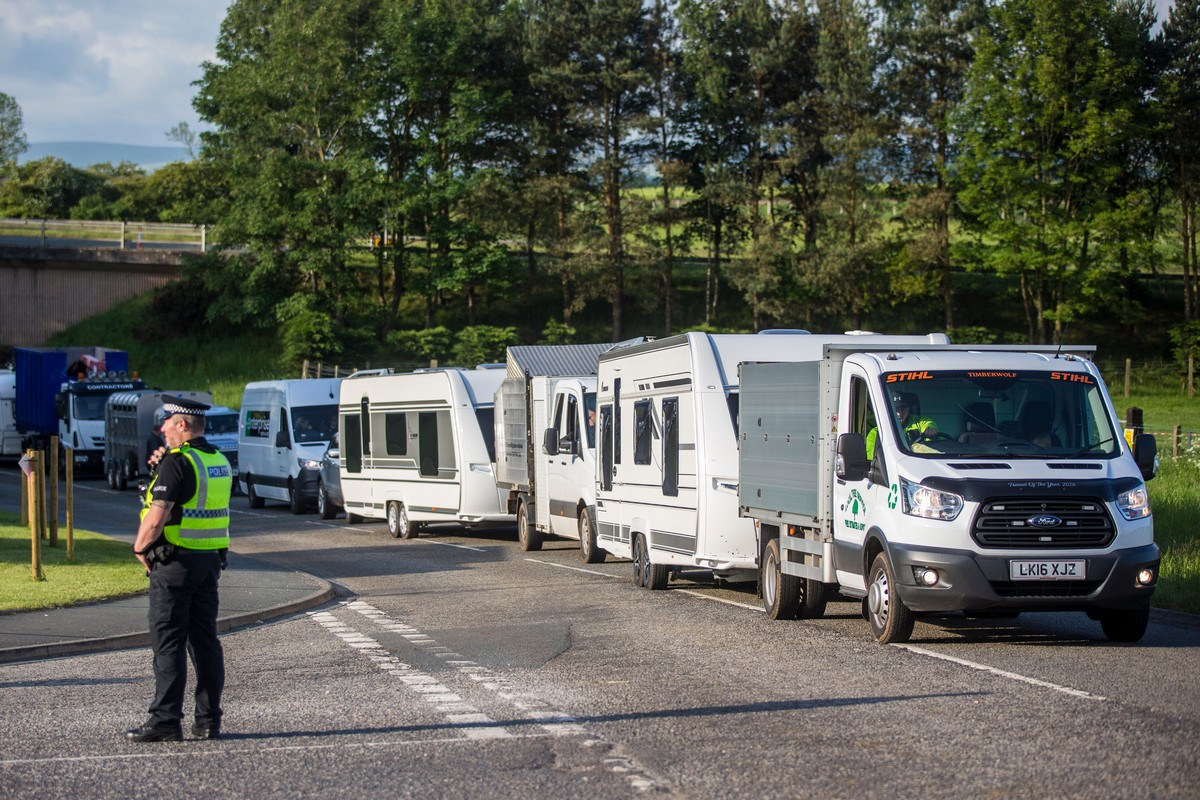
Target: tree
(184,135)
(1180,92)
(929,52)
(12,131)
(1042,124)
(286,100)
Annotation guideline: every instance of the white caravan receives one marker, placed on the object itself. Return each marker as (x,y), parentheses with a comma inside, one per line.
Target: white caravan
(10,440)
(667,480)
(546,443)
(416,448)
(285,427)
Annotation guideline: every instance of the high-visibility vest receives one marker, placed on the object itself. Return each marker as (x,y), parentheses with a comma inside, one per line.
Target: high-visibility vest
(205,521)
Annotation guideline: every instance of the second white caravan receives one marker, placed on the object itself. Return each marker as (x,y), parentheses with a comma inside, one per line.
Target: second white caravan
(667,477)
(416,448)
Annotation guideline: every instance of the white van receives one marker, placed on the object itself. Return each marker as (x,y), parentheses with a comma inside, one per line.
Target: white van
(667,477)
(285,426)
(10,440)
(417,447)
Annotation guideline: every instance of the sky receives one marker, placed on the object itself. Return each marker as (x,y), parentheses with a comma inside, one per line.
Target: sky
(117,71)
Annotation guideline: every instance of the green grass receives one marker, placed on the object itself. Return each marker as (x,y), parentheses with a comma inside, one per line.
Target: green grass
(103,568)
(1176,506)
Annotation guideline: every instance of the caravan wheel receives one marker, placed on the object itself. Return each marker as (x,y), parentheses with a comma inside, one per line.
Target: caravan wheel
(527,534)
(651,576)
(398,523)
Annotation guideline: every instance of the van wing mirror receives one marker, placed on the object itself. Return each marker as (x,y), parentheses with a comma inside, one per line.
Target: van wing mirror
(282,439)
(61,405)
(852,464)
(1145,453)
(550,442)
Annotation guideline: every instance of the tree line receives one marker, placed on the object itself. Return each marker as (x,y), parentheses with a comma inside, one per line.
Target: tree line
(812,163)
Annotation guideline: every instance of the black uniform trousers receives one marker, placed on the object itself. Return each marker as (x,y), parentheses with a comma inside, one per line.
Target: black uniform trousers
(183,622)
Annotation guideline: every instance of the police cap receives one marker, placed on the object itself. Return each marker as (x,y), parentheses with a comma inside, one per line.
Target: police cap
(173,406)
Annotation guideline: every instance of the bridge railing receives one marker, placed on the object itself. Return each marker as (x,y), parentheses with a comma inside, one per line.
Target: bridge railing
(100,234)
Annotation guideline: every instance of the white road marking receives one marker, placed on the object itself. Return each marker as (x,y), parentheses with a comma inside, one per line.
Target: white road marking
(1002,673)
(727,602)
(553,721)
(573,569)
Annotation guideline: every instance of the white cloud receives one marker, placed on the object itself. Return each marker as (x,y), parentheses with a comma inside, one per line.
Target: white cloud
(116,71)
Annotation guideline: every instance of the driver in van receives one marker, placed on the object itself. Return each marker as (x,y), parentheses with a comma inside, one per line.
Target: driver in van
(907,407)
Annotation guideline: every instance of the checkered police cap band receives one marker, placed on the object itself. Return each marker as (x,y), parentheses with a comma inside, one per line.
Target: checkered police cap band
(171,409)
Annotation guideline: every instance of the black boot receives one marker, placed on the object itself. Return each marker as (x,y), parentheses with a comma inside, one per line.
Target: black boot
(155,733)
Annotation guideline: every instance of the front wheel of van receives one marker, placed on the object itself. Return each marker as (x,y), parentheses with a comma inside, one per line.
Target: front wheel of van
(890,619)
(589,550)
(780,592)
(252,496)
(295,499)
(527,533)
(1125,625)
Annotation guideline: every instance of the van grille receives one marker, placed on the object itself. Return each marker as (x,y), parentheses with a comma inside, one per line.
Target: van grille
(1006,523)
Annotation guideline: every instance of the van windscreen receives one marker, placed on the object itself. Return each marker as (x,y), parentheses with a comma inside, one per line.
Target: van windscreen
(314,423)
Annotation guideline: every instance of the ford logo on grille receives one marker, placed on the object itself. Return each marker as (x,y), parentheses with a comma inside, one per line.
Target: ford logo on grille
(1045,521)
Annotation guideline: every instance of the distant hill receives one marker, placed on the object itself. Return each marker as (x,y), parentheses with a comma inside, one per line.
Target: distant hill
(85,154)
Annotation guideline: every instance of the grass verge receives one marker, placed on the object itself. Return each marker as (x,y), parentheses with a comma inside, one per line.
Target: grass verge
(103,568)
(1176,507)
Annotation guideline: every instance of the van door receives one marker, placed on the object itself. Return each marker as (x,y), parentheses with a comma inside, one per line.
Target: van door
(859,505)
(570,468)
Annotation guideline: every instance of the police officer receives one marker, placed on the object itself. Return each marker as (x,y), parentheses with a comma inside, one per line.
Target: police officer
(182,541)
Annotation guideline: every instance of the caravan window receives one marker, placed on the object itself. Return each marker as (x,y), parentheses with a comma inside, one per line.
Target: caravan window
(606,448)
(616,421)
(352,451)
(487,426)
(365,405)
(395,433)
(643,432)
(670,440)
(435,443)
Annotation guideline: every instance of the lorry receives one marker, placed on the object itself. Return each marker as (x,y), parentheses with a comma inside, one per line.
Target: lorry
(546,443)
(131,432)
(10,438)
(416,448)
(63,390)
(284,428)
(1014,490)
(667,481)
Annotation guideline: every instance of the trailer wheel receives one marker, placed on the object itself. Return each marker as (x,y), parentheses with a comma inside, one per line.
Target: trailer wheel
(651,576)
(527,534)
(780,592)
(589,550)
(111,474)
(251,496)
(295,499)
(1125,625)
(325,508)
(813,599)
(122,476)
(890,619)
(398,523)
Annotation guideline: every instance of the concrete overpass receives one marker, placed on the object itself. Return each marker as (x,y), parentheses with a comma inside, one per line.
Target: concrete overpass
(45,289)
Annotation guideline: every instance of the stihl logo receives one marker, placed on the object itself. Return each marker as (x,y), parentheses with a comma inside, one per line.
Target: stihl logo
(896,377)
(1073,377)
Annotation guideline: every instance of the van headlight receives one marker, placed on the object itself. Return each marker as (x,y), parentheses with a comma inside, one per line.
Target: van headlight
(918,500)
(308,463)
(1134,504)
